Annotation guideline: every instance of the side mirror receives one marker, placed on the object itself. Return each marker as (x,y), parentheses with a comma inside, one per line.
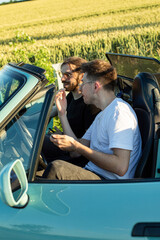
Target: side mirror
(14,185)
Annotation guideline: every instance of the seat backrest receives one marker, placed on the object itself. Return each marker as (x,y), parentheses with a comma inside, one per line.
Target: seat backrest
(145,87)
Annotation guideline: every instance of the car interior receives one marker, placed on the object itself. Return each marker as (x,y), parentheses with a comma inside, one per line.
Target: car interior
(142,92)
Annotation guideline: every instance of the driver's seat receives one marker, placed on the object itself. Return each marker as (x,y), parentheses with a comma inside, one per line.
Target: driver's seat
(145,95)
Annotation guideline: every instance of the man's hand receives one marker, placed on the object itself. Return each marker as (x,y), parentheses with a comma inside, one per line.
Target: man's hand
(61,102)
(64,142)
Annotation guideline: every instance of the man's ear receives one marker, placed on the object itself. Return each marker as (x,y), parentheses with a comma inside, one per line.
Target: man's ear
(97,86)
(81,76)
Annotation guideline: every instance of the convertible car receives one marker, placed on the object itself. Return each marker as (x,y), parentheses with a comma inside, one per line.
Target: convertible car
(32,207)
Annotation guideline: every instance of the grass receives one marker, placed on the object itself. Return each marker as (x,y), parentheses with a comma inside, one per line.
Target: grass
(43,32)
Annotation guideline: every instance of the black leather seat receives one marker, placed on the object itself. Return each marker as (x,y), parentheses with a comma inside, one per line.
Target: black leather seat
(145,95)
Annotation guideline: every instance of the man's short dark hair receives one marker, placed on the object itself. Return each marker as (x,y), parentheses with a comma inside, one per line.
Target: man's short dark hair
(77,61)
(102,71)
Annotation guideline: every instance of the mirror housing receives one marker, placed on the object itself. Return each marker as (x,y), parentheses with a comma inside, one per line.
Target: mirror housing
(10,175)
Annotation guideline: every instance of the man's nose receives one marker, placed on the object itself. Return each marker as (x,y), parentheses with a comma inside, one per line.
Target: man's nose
(63,79)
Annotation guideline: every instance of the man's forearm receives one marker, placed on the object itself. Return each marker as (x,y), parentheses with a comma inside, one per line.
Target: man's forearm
(117,162)
(111,162)
(54,111)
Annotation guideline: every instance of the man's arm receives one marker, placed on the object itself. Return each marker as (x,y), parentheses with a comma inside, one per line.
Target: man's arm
(82,141)
(54,111)
(117,162)
(61,104)
(66,126)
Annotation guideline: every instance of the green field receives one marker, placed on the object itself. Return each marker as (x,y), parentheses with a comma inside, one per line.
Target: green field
(43,32)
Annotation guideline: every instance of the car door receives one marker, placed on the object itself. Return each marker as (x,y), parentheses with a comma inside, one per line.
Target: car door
(85,210)
(109,210)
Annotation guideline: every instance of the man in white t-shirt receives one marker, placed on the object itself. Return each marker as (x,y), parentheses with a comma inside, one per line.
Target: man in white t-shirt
(112,144)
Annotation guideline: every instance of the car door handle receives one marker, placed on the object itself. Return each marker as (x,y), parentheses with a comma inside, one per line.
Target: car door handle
(146,229)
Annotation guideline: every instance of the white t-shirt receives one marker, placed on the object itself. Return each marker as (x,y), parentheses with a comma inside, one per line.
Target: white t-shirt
(115,127)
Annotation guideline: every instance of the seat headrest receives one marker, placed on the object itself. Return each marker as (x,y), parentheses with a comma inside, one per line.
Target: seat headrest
(143,91)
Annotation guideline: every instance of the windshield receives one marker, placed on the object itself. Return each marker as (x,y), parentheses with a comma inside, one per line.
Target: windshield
(10,83)
(17,138)
(130,66)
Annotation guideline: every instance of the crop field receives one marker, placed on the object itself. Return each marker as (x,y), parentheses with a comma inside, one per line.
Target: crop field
(43,32)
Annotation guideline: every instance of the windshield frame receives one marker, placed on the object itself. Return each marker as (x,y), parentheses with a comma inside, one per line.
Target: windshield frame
(20,77)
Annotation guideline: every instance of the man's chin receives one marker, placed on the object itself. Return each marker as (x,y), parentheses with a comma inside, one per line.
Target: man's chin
(66,87)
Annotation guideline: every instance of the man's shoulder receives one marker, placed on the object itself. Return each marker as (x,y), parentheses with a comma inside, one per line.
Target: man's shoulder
(120,104)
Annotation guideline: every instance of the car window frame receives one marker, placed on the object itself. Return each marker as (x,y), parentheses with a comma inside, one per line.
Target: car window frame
(21,76)
(40,132)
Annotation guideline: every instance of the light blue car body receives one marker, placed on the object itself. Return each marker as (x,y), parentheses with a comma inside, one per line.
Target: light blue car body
(82,211)
(62,210)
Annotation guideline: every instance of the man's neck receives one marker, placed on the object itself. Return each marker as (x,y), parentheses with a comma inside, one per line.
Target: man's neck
(105,100)
(76,94)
